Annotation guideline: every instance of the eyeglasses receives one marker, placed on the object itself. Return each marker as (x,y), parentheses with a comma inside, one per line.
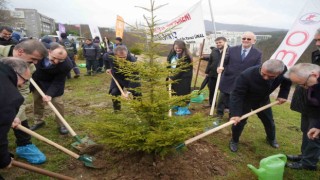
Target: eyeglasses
(305,84)
(24,79)
(249,39)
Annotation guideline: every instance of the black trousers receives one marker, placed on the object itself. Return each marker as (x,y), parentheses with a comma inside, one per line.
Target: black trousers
(211,86)
(265,116)
(223,102)
(22,138)
(310,149)
(115,91)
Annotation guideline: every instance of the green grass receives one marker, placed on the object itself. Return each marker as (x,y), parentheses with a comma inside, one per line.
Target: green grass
(87,95)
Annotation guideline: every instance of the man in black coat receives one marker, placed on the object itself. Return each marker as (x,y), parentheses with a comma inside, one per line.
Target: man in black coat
(50,76)
(6,36)
(238,59)
(72,51)
(213,63)
(13,72)
(252,90)
(299,100)
(91,52)
(120,53)
(307,76)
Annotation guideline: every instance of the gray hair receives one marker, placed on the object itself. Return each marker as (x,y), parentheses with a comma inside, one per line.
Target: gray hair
(120,48)
(17,64)
(318,32)
(32,45)
(302,70)
(273,66)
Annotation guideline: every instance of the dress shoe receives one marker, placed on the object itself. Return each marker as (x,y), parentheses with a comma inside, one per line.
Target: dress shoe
(300,166)
(63,130)
(233,146)
(273,143)
(294,158)
(37,126)
(76,76)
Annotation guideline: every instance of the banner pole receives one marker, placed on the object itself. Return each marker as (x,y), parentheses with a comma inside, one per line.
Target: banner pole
(212,20)
(201,51)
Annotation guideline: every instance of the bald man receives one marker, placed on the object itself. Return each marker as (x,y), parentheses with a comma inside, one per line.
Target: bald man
(238,59)
(51,76)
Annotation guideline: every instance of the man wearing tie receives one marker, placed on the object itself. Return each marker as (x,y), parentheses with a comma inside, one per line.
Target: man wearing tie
(238,59)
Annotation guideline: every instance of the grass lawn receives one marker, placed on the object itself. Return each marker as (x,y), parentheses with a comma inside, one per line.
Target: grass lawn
(86,96)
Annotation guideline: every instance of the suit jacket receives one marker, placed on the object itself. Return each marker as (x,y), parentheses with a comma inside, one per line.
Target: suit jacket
(233,66)
(11,100)
(213,63)
(251,88)
(52,79)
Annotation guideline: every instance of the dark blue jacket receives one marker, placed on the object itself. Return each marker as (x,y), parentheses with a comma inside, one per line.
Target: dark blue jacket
(11,100)
(70,47)
(233,66)
(120,77)
(52,79)
(91,51)
(250,87)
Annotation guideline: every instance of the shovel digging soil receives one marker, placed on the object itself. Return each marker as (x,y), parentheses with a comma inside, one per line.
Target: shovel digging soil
(191,140)
(88,161)
(40,170)
(83,145)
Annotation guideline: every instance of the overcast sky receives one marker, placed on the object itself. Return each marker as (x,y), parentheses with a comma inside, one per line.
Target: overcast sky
(266,13)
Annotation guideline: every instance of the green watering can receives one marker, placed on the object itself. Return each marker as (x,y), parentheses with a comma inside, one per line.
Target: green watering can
(271,168)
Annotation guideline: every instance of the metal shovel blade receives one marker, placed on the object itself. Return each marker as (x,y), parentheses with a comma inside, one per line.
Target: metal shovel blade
(92,162)
(86,145)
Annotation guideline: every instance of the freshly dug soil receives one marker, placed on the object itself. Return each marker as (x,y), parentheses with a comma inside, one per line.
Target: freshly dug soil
(200,160)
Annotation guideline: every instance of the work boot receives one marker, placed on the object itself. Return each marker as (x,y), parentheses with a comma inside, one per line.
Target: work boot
(37,126)
(31,153)
(233,146)
(300,166)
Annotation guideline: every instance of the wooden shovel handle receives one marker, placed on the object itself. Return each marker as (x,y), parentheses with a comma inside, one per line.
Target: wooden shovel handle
(229,123)
(170,95)
(118,85)
(218,79)
(40,170)
(38,136)
(196,78)
(64,122)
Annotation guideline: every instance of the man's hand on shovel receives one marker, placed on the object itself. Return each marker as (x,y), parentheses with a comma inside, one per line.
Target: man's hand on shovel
(281,100)
(46,98)
(235,119)
(16,122)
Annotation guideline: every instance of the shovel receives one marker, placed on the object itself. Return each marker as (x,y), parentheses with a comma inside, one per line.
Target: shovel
(84,145)
(88,161)
(191,140)
(119,87)
(218,80)
(40,170)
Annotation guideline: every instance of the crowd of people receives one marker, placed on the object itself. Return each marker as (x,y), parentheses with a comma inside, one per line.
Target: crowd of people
(246,84)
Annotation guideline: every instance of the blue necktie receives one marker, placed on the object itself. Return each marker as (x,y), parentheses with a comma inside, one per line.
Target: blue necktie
(243,55)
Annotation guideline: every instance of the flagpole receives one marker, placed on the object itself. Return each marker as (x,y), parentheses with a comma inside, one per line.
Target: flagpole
(80,30)
(212,20)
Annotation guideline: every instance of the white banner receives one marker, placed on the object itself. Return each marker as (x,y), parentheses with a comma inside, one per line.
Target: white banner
(189,26)
(94,31)
(300,35)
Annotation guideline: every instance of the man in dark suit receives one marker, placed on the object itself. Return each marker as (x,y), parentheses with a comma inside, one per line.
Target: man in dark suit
(13,72)
(307,76)
(51,76)
(251,91)
(238,59)
(213,62)
(120,53)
